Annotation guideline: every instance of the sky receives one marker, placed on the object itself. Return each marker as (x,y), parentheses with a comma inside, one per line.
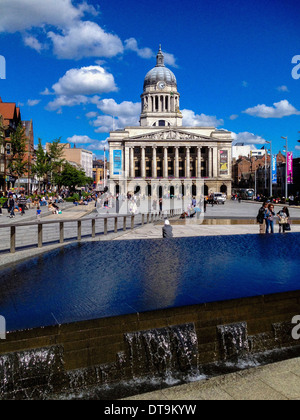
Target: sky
(77,67)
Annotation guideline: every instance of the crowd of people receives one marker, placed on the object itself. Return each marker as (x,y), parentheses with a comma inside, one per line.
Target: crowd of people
(266,218)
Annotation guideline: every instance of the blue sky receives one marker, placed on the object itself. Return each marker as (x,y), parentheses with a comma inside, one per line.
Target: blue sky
(76,68)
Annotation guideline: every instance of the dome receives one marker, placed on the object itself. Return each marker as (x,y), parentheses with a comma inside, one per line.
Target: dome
(160,73)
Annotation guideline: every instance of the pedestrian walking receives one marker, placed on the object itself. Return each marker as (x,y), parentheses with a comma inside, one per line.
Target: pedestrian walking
(270,219)
(11,206)
(283,216)
(167,230)
(261,218)
(22,203)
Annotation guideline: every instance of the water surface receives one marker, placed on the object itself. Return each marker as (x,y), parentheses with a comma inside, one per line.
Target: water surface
(102,279)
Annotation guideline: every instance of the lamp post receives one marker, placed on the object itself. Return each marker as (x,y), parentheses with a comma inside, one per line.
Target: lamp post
(286,166)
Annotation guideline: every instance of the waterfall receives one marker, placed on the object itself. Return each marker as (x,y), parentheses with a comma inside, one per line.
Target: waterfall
(163,351)
(233,340)
(30,374)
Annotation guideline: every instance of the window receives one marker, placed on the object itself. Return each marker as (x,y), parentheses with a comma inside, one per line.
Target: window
(161,123)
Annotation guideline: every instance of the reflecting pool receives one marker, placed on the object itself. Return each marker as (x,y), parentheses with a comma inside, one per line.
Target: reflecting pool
(102,279)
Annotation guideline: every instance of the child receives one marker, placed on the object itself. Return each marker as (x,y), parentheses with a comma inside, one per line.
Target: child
(38,212)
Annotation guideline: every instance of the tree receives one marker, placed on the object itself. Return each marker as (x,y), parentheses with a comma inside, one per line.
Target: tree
(56,160)
(42,165)
(17,165)
(72,177)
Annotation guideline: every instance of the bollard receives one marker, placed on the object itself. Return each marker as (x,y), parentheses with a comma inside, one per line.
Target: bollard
(124,223)
(116,225)
(79,230)
(13,239)
(132,222)
(61,232)
(40,235)
(105,226)
(93,228)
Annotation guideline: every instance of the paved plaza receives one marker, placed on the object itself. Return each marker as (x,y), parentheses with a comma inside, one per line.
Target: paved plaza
(233,218)
(278,381)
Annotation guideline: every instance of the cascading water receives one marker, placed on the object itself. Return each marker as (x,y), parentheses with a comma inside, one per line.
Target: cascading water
(163,352)
(233,339)
(20,371)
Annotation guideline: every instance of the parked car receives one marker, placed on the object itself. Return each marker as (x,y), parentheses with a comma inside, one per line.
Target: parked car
(219,198)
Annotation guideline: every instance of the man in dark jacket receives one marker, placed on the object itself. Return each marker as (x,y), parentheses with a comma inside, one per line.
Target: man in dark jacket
(22,203)
(11,206)
(261,218)
(167,230)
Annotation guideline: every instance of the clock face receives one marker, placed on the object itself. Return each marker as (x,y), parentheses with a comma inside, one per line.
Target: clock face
(161,85)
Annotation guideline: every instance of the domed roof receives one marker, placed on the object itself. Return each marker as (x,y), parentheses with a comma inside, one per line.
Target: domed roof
(160,73)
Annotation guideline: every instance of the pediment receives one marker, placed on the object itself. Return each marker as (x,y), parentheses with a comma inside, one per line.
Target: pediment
(171,134)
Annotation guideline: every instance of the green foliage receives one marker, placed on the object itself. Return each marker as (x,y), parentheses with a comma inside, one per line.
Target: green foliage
(17,165)
(42,164)
(72,177)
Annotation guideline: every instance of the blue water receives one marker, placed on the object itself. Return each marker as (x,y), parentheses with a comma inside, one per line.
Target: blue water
(102,279)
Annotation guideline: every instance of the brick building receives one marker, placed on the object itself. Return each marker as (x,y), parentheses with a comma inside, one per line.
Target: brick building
(246,168)
(11,117)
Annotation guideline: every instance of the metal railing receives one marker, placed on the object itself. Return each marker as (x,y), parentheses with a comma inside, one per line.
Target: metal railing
(146,218)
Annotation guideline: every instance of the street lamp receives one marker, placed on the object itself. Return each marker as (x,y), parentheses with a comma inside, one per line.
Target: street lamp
(286,166)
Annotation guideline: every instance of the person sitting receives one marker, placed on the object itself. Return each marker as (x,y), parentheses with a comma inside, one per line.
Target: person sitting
(167,230)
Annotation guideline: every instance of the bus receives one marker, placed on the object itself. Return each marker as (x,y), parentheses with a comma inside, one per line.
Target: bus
(245,193)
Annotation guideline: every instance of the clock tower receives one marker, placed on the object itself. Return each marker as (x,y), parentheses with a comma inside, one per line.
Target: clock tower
(160,99)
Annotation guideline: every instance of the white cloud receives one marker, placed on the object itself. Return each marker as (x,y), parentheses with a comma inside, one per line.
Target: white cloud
(64,100)
(80,139)
(190,119)
(20,15)
(98,145)
(89,144)
(233,117)
(283,88)
(91,114)
(116,116)
(85,81)
(131,44)
(278,110)
(247,138)
(85,39)
(33,102)
(32,42)
(124,109)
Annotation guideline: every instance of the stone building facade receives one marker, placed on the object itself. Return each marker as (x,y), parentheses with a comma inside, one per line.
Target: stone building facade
(163,152)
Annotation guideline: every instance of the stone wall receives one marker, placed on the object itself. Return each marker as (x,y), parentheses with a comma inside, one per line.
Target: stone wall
(99,351)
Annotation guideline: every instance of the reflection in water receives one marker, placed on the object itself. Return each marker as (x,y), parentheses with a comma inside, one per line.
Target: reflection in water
(101,279)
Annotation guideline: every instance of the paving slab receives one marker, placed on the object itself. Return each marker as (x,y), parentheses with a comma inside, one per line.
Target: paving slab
(277,381)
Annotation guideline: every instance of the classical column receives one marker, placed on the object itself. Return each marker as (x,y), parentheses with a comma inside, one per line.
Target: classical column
(143,162)
(127,163)
(176,161)
(132,171)
(188,163)
(215,162)
(166,162)
(154,162)
(210,172)
(199,162)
